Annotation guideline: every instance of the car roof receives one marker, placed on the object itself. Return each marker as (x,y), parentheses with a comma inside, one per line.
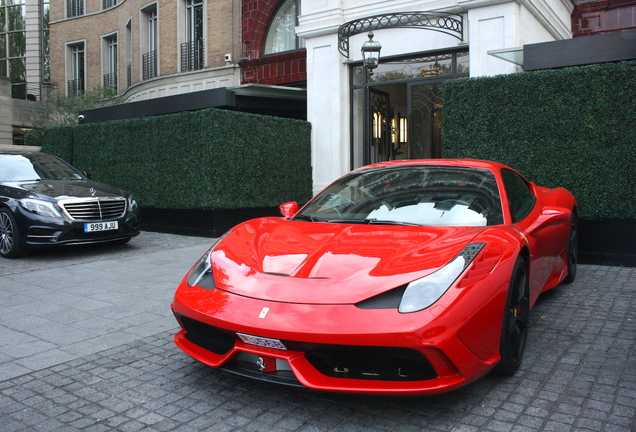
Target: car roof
(471,163)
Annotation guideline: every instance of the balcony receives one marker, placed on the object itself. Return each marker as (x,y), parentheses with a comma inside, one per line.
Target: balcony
(149,65)
(110,81)
(192,55)
(75,87)
(74,8)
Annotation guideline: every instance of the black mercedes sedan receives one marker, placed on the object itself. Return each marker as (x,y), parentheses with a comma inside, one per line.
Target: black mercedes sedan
(45,202)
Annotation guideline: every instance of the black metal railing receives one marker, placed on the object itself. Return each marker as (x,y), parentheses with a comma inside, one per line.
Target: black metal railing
(26,91)
(75,87)
(110,80)
(106,4)
(149,65)
(74,8)
(192,55)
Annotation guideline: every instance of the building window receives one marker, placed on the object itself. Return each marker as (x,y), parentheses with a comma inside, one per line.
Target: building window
(192,49)
(281,35)
(110,63)
(75,83)
(107,4)
(149,59)
(13,46)
(74,8)
(46,63)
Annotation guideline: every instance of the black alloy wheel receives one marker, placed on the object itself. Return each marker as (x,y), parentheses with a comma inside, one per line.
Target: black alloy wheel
(573,244)
(516,320)
(9,236)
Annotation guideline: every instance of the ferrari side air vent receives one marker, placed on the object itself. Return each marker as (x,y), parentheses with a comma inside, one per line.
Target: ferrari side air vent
(207,336)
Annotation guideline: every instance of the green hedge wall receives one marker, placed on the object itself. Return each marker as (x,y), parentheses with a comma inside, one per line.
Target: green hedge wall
(207,160)
(574,127)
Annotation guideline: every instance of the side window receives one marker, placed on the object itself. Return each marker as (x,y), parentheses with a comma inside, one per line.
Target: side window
(520,198)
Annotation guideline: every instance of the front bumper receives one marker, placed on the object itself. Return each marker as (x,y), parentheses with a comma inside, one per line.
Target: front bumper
(339,347)
(40,232)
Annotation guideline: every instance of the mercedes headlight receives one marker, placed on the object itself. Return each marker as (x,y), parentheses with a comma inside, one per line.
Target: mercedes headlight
(132,204)
(42,208)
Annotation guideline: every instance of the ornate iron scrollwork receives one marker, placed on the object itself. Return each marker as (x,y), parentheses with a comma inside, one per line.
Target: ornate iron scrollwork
(449,23)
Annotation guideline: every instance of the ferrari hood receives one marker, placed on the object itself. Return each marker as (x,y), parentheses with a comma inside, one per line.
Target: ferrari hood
(328,263)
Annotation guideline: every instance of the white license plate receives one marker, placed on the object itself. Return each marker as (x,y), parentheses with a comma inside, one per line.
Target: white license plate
(101,226)
(261,341)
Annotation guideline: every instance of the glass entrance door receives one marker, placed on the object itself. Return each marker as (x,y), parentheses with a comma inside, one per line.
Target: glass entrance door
(425,115)
(397,111)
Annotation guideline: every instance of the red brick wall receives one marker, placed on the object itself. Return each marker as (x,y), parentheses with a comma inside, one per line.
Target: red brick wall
(284,68)
(603,16)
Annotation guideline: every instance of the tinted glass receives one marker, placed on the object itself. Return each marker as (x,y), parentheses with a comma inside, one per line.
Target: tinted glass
(419,195)
(520,197)
(35,167)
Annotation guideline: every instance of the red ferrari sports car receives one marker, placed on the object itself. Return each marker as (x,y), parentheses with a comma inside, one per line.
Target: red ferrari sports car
(409,278)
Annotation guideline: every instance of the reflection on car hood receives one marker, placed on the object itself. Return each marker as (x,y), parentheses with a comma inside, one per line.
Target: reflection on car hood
(328,263)
(65,189)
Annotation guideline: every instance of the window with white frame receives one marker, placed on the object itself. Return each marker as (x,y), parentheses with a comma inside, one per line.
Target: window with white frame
(76,68)
(192,48)
(110,63)
(281,34)
(149,27)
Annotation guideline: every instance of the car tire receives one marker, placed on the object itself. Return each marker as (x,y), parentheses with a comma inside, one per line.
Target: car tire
(515,324)
(10,240)
(573,244)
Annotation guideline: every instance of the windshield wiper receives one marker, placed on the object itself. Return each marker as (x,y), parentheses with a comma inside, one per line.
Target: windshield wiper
(308,218)
(372,221)
(389,222)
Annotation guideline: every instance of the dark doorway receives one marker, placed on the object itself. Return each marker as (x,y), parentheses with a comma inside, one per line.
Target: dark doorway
(397,111)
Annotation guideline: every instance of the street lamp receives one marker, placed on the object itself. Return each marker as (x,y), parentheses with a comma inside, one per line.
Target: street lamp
(371,53)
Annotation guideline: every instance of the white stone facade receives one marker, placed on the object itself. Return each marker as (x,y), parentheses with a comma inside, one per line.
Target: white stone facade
(488,25)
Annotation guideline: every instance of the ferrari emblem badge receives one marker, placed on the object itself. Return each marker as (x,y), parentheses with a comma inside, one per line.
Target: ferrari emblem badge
(260,364)
(263,313)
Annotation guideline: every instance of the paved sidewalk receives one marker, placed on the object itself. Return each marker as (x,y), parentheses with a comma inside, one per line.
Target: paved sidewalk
(85,345)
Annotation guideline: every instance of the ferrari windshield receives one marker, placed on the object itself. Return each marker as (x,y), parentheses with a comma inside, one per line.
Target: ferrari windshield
(410,195)
(36,166)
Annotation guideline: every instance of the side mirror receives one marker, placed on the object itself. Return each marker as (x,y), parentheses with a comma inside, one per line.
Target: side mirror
(288,210)
(87,175)
(552,215)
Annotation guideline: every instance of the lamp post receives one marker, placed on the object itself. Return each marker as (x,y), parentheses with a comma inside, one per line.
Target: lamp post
(371,53)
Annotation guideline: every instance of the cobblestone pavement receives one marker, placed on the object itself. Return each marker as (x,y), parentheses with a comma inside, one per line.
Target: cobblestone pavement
(86,345)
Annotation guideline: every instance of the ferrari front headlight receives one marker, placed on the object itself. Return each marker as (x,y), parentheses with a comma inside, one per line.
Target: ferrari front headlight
(423,292)
(202,270)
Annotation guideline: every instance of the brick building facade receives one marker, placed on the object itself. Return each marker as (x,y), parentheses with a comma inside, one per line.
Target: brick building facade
(151,50)
(286,68)
(593,17)
(144,50)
